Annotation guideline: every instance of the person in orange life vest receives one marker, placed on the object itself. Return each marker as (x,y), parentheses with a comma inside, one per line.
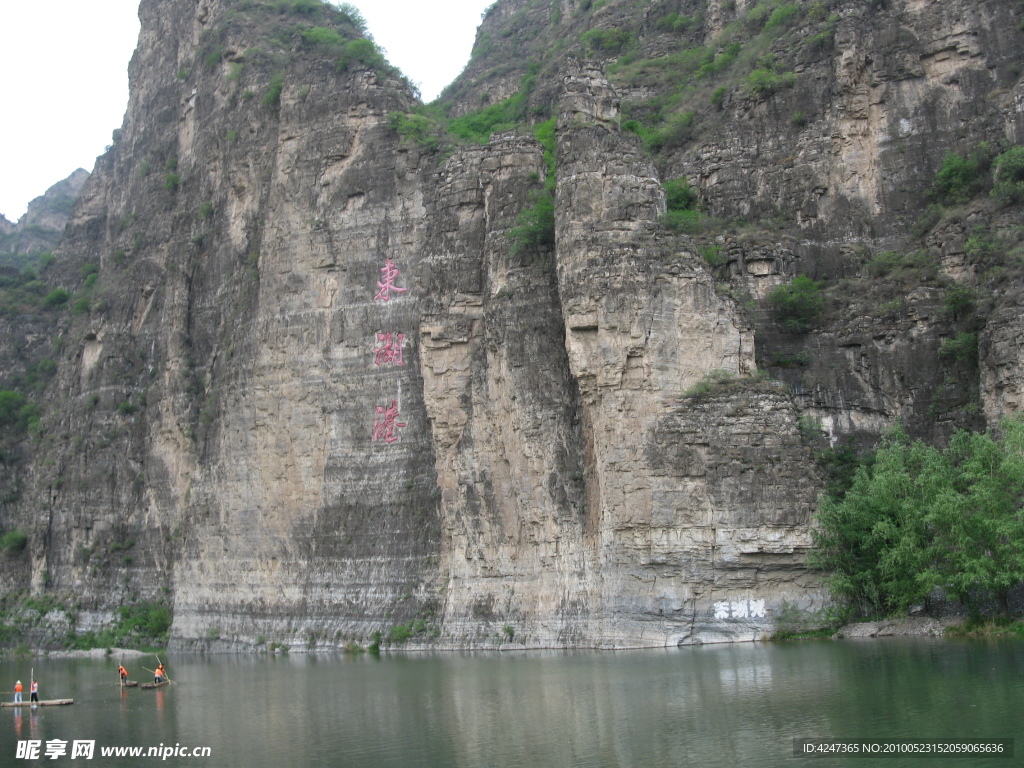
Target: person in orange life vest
(35,691)
(17,692)
(123,672)
(159,674)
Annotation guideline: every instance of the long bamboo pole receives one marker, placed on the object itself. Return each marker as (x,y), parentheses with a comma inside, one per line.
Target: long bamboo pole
(166,676)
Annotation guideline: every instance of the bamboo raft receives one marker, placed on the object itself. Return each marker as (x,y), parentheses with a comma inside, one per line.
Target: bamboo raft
(129,683)
(155,685)
(43,703)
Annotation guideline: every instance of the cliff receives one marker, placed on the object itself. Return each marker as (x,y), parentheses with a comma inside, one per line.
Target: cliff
(337,372)
(42,225)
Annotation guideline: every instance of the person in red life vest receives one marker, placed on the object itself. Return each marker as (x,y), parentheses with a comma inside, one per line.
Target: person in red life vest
(17,692)
(158,676)
(35,691)
(123,672)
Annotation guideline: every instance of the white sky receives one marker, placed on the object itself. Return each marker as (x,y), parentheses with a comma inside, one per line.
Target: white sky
(65,66)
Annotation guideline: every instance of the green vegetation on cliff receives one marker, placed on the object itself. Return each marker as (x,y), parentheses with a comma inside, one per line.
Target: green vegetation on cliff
(920,519)
(32,308)
(17,414)
(430,128)
(982,169)
(536,225)
(679,85)
(277,30)
(681,214)
(797,305)
(49,620)
(25,291)
(960,178)
(141,625)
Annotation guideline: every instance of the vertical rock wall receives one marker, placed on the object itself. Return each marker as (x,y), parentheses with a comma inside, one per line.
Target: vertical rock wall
(517,548)
(701,518)
(311,514)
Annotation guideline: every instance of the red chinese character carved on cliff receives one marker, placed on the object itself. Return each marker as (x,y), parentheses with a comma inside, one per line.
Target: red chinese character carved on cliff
(389,272)
(386,423)
(389,349)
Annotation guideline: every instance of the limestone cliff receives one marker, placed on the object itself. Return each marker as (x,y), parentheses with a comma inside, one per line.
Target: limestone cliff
(323,387)
(41,226)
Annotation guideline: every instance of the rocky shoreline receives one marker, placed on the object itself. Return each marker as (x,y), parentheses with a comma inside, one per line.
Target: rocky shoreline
(94,653)
(902,627)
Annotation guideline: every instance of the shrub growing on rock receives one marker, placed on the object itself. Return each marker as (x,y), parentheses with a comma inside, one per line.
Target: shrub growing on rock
(1009,176)
(797,305)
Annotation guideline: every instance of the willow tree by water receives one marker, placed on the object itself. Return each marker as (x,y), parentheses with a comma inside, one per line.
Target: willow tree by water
(920,519)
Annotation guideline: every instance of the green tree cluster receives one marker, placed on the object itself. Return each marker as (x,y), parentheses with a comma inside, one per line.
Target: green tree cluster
(363,52)
(962,347)
(681,214)
(797,305)
(322,36)
(26,292)
(679,195)
(478,126)
(764,81)
(271,100)
(429,125)
(672,132)
(13,541)
(17,414)
(1009,176)
(920,519)
(961,177)
(419,129)
(678,24)
(607,41)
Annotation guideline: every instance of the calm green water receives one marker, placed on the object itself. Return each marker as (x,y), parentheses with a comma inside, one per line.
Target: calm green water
(737,705)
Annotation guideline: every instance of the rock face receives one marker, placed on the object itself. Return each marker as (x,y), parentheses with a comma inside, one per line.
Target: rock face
(696,533)
(324,390)
(41,227)
(503,411)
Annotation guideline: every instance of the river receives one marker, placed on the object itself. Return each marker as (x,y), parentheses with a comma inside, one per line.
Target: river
(722,705)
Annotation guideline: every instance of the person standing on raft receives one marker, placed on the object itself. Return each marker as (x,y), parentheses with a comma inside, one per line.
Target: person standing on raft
(35,691)
(158,676)
(17,692)
(123,672)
